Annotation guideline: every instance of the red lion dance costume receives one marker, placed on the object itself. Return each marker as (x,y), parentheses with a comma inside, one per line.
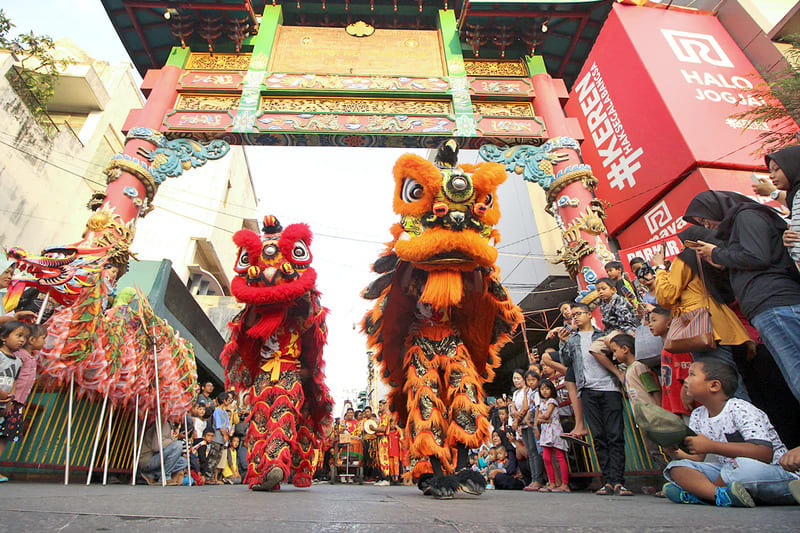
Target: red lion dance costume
(276,351)
(441,315)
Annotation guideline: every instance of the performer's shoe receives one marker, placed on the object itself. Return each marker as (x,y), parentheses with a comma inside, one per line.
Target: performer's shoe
(443,487)
(471,482)
(424,484)
(273,478)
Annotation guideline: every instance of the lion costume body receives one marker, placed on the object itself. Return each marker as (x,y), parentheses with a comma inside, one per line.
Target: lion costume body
(441,314)
(275,351)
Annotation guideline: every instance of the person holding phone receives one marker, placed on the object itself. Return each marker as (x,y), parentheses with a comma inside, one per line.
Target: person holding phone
(763,276)
(784,173)
(681,290)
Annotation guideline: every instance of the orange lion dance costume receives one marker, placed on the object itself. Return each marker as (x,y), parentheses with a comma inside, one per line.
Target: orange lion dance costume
(276,351)
(441,314)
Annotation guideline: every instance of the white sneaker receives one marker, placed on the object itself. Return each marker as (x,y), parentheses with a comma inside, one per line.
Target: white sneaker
(382,483)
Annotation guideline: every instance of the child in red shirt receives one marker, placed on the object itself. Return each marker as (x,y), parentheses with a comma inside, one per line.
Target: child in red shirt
(674,367)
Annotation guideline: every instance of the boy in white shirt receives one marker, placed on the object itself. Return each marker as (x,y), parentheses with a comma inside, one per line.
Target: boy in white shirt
(734,460)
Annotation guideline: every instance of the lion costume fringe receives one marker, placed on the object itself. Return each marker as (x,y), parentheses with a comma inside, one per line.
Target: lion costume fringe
(275,351)
(441,314)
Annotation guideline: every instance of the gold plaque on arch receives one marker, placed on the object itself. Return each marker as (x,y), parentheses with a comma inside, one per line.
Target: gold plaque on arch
(205,61)
(495,68)
(309,50)
(503,109)
(397,106)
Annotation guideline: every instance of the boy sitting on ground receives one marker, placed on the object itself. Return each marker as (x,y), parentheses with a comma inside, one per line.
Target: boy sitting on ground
(734,459)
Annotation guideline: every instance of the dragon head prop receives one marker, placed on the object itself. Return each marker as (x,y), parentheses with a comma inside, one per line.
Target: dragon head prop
(448,213)
(62,272)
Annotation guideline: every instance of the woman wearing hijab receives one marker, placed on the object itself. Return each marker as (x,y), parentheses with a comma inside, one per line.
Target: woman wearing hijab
(763,276)
(681,290)
(784,173)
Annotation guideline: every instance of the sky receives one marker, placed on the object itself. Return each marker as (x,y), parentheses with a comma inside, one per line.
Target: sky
(83,21)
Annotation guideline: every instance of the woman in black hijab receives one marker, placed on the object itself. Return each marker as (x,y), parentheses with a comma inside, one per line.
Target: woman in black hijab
(682,290)
(763,276)
(784,172)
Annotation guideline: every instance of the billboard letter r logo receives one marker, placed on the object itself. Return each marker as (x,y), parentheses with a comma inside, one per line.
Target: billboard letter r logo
(658,217)
(691,47)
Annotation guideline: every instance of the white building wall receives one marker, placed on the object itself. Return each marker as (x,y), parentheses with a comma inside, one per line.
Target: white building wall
(194,206)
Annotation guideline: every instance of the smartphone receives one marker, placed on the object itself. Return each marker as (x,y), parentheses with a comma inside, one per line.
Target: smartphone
(691,244)
(755,179)
(569,329)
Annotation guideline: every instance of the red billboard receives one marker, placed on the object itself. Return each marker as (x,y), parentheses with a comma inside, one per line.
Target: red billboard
(654,99)
(665,217)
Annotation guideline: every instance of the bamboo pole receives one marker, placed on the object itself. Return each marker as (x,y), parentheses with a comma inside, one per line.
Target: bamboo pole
(69,428)
(108,444)
(97,439)
(42,309)
(158,412)
(141,440)
(135,438)
(186,439)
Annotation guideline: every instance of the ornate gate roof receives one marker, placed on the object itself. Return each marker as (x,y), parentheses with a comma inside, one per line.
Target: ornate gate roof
(561,31)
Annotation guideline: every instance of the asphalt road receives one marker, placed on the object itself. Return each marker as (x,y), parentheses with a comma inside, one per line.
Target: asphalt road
(334,508)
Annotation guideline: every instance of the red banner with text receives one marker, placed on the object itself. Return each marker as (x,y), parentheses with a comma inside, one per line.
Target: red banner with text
(672,247)
(654,99)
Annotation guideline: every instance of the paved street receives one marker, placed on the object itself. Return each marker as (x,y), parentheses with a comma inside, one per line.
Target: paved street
(323,508)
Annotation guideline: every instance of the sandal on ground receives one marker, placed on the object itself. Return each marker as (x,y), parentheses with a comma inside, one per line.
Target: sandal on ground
(561,490)
(580,441)
(620,490)
(545,489)
(533,487)
(605,490)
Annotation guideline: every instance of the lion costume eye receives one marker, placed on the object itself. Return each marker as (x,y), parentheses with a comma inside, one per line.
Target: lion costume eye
(412,190)
(300,253)
(270,250)
(242,263)
(489,200)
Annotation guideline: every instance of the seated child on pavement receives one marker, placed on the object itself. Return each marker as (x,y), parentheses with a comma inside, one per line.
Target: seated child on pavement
(734,459)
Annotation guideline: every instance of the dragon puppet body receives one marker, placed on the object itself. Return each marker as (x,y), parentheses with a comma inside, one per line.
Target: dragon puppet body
(441,314)
(275,351)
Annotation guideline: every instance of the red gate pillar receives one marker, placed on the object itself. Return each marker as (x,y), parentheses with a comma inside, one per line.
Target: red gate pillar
(569,184)
(134,175)
(132,170)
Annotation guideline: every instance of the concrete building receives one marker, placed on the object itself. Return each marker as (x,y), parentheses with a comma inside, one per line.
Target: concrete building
(50,172)
(52,166)
(195,217)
